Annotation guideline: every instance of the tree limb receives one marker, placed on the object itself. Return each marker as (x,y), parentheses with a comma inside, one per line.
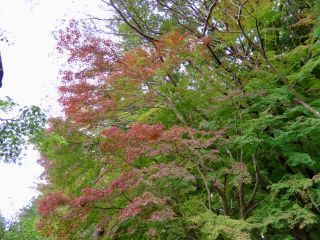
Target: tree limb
(213,4)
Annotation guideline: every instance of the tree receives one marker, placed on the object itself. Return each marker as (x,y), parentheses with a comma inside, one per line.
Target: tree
(17,131)
(24,228)
(2,226)
(201,123)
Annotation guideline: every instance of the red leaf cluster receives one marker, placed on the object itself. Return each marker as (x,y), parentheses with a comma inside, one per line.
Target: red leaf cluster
(84,93)
(125,181)
(132,141)
(98,72)
(137,205)
(163,215)
(162,170)
(152,140)
(50,202)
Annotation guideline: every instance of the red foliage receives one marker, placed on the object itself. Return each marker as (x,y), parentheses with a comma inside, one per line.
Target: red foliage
(124,182)
(139,65)
(115,139)
(50,202)
(172,45)
(162,170)
(100,78)
(132,153)
(163,215)
(143,132)
(84,93)
(152,140)
(137,205)
(89,195)
(131,141)
(174,133)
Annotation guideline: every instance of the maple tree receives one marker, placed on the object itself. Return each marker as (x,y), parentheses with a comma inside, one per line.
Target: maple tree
(201,122)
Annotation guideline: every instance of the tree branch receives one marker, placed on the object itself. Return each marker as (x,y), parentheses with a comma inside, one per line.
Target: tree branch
(141,33)
(255,188)
(282,78)
(213,4)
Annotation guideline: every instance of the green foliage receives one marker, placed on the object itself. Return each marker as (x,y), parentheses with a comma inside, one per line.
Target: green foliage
(73,155)
(300,160)
(17,131)
(25,227)
(2,227)
(280,218)
(212,226)
(213,131)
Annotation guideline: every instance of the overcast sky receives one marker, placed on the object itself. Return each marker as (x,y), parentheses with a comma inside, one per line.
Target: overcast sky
(30,78)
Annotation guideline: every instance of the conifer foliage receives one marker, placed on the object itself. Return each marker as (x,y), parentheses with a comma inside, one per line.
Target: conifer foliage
(201,121)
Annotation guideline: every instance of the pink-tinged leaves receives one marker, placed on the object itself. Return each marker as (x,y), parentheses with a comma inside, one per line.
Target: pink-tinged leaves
(132,141)
(139,203)
(143,132)
(98,71)
(172,170)
(89,195)
(85,90)
(163,215)
(152,140)
(174,133)
(50,202)
(126,181)
(132,153)
(240,171)
(115,139)
(152,233)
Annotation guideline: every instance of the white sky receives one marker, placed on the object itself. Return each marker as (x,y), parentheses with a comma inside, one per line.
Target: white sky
(30,76)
